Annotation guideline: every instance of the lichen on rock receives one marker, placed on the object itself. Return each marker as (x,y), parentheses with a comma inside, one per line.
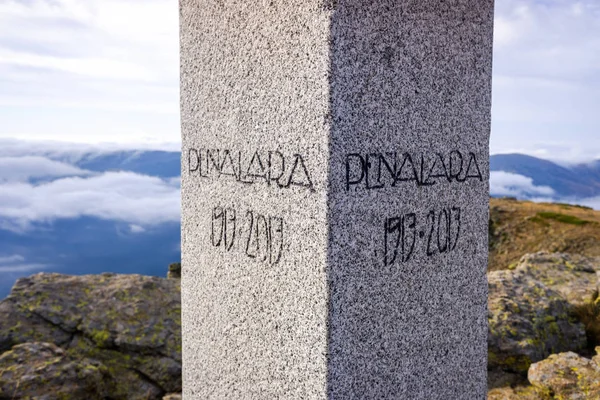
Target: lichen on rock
(527,321)
(566,376)
(46,371)
(131,324)
(573,277)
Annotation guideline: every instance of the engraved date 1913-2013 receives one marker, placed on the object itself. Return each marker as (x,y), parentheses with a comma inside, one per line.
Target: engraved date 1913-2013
(259,237)
(437,232)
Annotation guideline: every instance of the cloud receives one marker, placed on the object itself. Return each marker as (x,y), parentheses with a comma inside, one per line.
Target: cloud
(593,202)
(107,69)
(559,152)
(74,151)
(11,259)
(16,264)
(549,30)
(131,35)
(93,67)
(23,268)
(509,184)
(120,196)
(18,169)
(546,86)
(136,228)
(522,187)
(175,181)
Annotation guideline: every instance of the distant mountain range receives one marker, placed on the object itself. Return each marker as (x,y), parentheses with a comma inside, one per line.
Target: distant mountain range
(86,244)
(576,181)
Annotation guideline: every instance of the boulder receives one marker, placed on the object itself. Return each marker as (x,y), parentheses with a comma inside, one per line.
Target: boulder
(572,276)
(527,321)
(566,376)
(131,324)
(45,371)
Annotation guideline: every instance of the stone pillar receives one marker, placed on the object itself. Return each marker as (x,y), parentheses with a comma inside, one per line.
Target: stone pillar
(335,198)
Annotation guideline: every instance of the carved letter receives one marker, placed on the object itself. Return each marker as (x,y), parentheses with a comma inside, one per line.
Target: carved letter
(196,157)
(362,167)
(304,180)
(473,161)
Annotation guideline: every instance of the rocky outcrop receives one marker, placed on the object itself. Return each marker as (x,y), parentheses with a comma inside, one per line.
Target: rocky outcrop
(127,326)
(536,308)
(573,277)
(566,376)
(119,336)
(45,371)
(527,320)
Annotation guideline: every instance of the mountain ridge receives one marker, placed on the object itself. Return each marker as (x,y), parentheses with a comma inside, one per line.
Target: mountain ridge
(580,180)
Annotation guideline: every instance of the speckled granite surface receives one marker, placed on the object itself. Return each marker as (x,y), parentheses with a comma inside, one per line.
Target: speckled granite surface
(334,198)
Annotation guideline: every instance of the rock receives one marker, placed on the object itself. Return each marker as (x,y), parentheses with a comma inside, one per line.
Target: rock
(45,371)
(174,271)
(499,379)
(566,376)
(527,321)
(504,385)
(518,393)
(573,277)
(596,358)
(129,323)
(15,328)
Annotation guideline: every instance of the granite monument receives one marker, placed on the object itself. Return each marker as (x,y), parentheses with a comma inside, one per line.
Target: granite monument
(335,198)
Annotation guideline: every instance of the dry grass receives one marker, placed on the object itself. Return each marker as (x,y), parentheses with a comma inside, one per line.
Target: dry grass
(520,227)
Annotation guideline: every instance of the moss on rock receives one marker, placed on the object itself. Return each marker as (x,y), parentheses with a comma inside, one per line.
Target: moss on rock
(36,370)
(527,321)
(131,324)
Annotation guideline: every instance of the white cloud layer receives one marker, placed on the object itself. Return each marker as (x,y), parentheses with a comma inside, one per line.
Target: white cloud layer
(15,264)
(509,184)
(23,268)
(19,169)
(11,259)
(73,151)
(120,196)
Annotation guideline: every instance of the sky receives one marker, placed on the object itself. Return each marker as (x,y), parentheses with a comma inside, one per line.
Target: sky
(95,71)
(79,76)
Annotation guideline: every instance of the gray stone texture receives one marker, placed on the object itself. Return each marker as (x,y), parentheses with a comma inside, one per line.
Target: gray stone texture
(335,198)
